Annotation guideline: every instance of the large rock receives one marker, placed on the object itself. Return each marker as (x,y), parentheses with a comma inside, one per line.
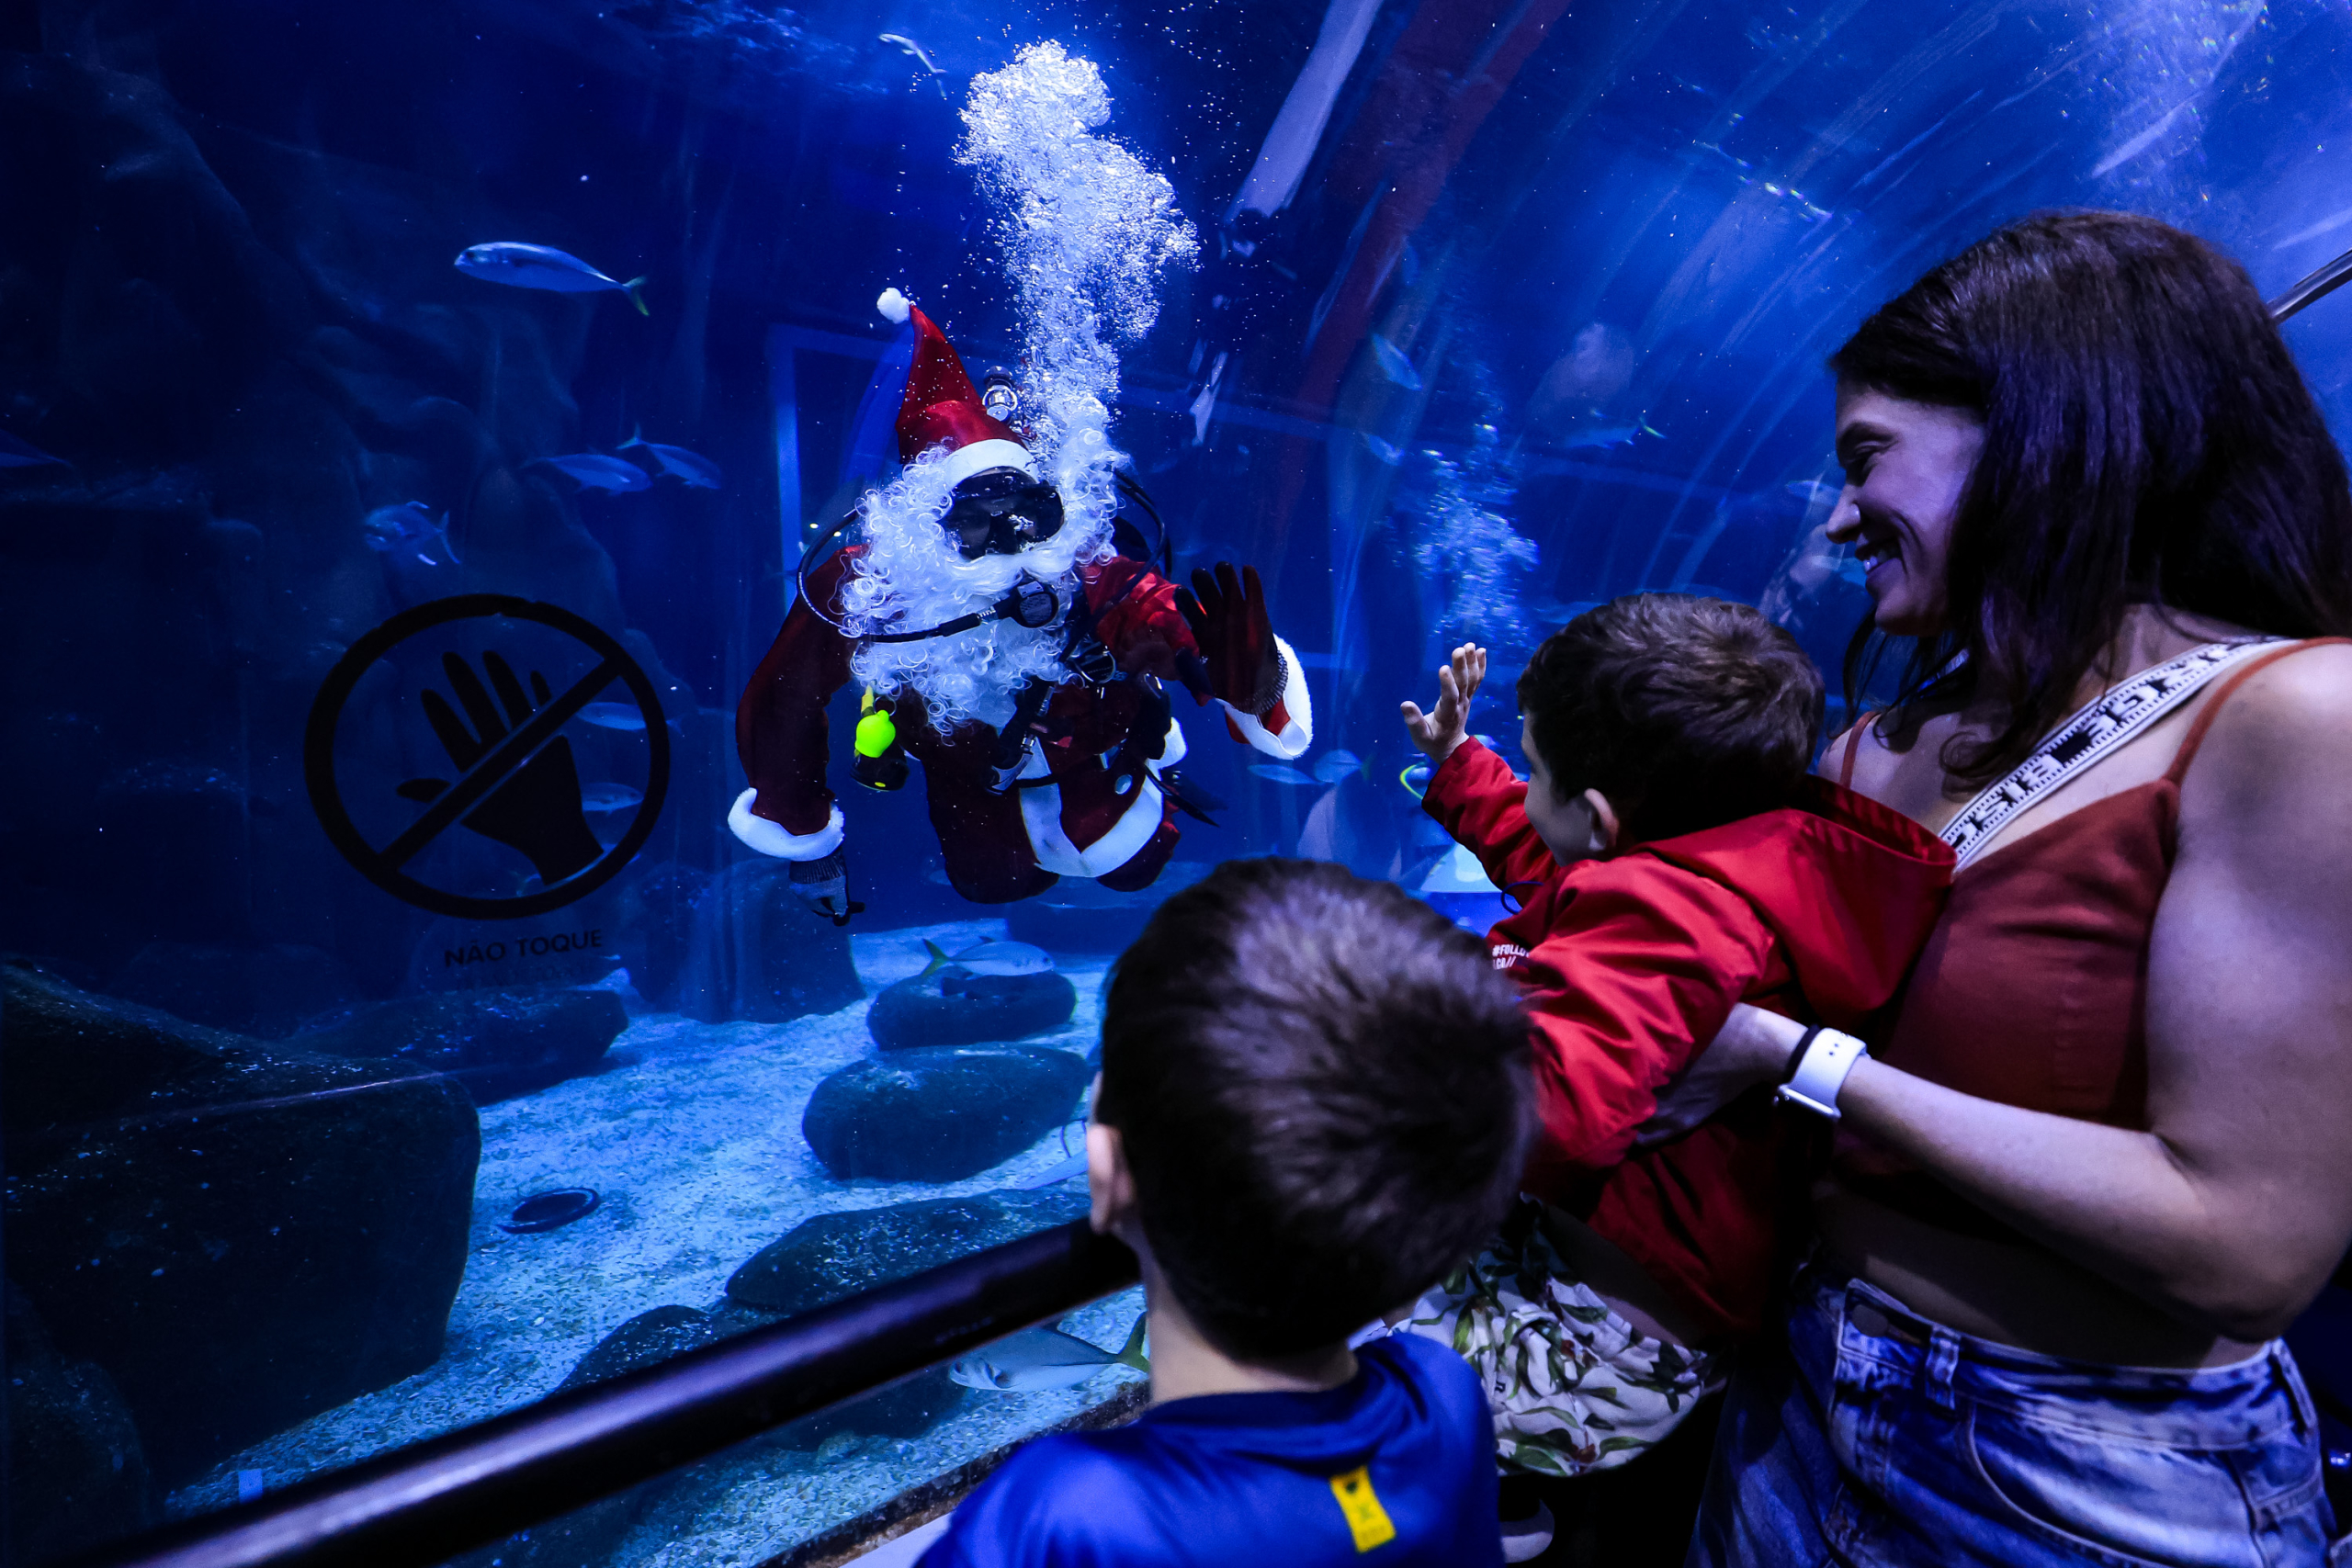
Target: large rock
(497,1043)
(952,1006)
(71,1445)
(821,1261)
(904,1409)
(644,1340)
(239,1233)
(940,1114)
(838,1254)
(267,991)
(758,954)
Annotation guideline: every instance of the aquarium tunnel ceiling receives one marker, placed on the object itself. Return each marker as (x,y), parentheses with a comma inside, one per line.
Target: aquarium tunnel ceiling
(1620,238)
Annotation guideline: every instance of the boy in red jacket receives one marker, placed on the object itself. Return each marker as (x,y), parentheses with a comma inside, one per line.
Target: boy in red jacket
(1672,857)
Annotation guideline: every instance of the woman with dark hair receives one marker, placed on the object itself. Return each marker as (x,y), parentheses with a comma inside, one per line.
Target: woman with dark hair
(2098,1161)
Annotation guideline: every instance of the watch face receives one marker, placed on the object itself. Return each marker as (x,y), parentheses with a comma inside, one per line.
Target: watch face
(1003,512)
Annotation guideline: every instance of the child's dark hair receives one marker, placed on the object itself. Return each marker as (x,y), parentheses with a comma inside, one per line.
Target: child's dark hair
(1686,713)
(1322,1085)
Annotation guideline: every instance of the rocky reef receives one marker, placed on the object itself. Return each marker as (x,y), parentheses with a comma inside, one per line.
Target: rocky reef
(235,1233)
(942,1113)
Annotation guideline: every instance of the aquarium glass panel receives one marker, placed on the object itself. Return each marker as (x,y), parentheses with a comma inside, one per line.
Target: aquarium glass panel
(613,609)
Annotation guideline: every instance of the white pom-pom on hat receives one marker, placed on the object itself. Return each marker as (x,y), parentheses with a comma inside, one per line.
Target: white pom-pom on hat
(893,306)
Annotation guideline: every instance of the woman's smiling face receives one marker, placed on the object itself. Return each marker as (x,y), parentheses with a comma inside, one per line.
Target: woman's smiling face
(1907,465)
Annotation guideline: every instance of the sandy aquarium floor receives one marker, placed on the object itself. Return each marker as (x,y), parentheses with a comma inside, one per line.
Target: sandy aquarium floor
(691,1134)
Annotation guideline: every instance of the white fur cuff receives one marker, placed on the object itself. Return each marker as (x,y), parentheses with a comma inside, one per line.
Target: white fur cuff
(965,461)
(773,839)
(1288,728)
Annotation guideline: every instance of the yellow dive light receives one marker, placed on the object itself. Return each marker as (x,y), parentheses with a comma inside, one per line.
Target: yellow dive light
(877,732)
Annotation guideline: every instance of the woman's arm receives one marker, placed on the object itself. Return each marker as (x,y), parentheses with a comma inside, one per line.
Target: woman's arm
(2238,1203)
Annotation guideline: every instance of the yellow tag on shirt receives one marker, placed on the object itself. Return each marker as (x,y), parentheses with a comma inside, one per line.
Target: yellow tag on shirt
(1367,1520)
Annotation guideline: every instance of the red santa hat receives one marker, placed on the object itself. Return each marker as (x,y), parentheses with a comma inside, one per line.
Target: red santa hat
(940,408)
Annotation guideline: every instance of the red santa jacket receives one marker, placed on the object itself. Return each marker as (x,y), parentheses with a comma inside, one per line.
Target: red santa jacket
(995,842)
(1631,965)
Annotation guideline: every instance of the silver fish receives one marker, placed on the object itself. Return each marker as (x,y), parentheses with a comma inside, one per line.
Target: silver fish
(1813,492)
(408,524)
(699,471)
(601,797)
(1054,1175)
(614,715)
(1388,451)
(911,46)
(1046,1358)
(595,471)
(1333,766)
(519,265)
(1282,774)
(621,716)
(1608,434)
(1394,364)
(990,957)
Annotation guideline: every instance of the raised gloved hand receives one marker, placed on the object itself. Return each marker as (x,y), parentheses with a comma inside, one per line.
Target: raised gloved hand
(1227,614)
(823,886)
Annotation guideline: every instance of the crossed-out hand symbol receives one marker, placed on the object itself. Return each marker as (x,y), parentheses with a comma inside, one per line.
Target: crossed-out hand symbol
(536,809)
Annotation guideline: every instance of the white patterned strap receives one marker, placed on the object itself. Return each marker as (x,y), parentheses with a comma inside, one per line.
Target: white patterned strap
(2114,717)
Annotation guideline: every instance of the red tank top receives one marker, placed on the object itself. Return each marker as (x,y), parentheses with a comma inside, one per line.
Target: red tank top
(2032,991)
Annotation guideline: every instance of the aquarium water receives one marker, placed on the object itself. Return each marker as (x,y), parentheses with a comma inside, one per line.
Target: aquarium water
(424,987)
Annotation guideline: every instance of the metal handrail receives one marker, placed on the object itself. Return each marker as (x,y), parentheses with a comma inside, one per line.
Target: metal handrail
(421,1505)
(2315,287)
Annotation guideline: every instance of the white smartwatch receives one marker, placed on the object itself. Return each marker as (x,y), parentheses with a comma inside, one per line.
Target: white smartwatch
(1817,1070)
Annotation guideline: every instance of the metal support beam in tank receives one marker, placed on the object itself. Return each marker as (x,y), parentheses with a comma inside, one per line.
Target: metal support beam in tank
(2317,285)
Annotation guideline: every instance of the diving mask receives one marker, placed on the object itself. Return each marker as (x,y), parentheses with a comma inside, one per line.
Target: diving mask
(1003,512)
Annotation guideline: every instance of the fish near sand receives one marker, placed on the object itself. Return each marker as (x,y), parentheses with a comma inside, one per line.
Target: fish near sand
(1278,772)
(408,524)
(597,470)
(1046,1358)
(519,265)
(1395,364)
(692,468)
(1054,1175)
(990,957)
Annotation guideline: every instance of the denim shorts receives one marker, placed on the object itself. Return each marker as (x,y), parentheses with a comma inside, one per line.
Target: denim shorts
(1882,1438)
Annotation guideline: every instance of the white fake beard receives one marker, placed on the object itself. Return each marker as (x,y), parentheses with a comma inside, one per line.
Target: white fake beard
(912,576)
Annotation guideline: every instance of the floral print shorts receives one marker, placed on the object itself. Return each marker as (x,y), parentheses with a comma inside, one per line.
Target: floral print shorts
(1574,1387)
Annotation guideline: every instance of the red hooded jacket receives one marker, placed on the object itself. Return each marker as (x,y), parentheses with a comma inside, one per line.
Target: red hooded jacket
(1631,963)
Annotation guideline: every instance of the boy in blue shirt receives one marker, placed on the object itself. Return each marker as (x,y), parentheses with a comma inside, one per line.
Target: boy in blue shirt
(1313,1104)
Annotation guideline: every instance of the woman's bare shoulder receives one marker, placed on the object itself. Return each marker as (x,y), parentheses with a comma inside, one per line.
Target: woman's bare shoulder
(1910,780)
(2283,740)
(2304,696)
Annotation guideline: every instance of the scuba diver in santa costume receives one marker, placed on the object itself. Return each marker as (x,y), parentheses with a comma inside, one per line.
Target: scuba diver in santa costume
(1010,645)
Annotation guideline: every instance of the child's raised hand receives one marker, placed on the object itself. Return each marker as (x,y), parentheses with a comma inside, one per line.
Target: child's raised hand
(1445,727)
